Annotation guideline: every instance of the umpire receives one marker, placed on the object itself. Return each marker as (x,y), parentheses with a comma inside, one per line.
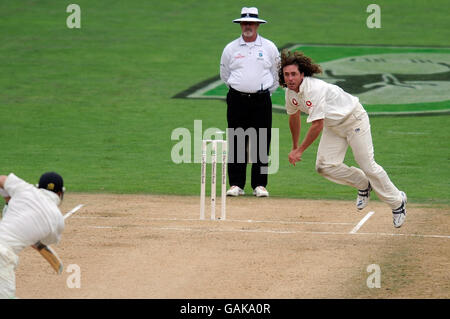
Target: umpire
(248,66)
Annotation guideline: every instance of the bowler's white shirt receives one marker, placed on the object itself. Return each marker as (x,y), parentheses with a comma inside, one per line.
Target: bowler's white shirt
(250,66)
(320,100)
(33,215)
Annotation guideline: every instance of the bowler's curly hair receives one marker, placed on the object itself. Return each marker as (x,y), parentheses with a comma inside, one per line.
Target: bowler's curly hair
(305,64)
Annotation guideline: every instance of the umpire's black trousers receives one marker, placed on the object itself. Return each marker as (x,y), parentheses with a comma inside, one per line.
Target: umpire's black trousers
(248,113)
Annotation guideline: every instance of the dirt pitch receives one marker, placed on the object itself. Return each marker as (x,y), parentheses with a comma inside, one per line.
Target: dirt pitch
(145,246)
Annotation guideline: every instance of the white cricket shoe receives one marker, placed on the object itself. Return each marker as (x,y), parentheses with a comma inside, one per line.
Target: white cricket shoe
(235,191)
(260,191)
(363,197)
(399,214)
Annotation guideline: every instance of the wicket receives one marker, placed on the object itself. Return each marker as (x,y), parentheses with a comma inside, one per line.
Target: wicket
(213,178)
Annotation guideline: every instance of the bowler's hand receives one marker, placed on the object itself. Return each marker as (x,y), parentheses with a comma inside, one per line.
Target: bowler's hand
(295,156)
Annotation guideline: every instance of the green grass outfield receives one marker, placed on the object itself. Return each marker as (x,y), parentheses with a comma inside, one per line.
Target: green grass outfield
(95,103)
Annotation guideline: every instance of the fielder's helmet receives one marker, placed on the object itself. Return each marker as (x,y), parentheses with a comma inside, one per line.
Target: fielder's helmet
(52,181)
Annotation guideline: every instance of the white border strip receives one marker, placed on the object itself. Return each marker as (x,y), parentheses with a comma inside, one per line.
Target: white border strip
(357,227)
(199,93)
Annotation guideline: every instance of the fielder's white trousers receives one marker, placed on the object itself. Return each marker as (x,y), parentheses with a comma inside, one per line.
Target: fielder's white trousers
(354,131)
(8,264)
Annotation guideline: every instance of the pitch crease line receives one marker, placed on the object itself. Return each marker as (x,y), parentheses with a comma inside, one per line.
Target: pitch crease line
(103,227)
(284,222)
(406,235)
(226,220)
(359,225)
(292,232)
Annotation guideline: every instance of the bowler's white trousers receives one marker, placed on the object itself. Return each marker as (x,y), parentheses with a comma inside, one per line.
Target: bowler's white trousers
(354,131)
(8,264)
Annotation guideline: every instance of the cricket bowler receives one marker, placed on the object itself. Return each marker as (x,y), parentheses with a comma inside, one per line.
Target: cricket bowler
(343,122)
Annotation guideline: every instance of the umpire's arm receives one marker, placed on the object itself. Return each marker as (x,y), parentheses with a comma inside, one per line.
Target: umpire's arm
(225,71)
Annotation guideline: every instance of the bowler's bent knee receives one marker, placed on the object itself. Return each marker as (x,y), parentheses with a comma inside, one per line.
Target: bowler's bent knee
(325,169)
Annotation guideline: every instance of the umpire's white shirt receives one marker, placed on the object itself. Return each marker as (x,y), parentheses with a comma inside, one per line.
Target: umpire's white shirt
(32,215)
(250,66)
(320,100)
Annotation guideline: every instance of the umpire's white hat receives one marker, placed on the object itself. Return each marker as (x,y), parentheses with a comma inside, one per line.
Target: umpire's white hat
(249,15)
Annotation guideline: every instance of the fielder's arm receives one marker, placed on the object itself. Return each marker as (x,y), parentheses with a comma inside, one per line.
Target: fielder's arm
(3,192)
(50,255)
(2,180)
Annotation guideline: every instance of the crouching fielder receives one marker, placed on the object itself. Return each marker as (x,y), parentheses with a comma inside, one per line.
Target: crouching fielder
(32,215)
(344,123)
